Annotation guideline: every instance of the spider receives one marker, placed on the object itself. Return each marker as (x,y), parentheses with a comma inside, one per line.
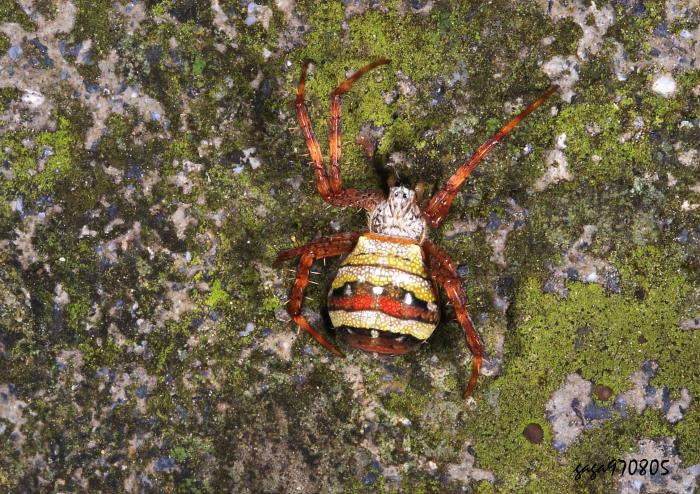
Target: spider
(384,297)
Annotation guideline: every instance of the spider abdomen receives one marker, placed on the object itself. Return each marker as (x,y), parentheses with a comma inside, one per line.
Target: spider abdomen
(382,299)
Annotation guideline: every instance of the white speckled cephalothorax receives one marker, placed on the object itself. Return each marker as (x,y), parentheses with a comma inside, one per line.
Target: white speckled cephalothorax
(398,215)
(384,297)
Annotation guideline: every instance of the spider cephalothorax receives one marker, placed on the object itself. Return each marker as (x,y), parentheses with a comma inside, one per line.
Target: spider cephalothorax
(384,297)
(398,215)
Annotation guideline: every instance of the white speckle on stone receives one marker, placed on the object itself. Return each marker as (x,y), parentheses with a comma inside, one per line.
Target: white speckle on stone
(690,324)
(664,85)
(248,157)
(563,71)
(111,226)
(255,83)
(11,409)
(404,85)
(254,162)
(689,206)
(286,6)
(466,472)
(565,410)
(14,52)
(554,174)
(580,265)
(281,344)
(460,227)
(181,181)
(681,479)
(17,205)
(675,411)
(249,328)
(221,21)
(688,158)
(594,21)
(593,129)
(86,232)
(181,220)
(621,63)
(33,98)
(258,13)
(592,277)
(643,395)
(561,141)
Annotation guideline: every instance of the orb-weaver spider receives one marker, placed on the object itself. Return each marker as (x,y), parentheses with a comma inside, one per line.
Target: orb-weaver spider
(384,297)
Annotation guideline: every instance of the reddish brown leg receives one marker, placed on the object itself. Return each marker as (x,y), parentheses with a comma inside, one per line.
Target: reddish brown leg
(318,249)
(439,204)
(443,272)
(331,190)
(334,245)
(336,182)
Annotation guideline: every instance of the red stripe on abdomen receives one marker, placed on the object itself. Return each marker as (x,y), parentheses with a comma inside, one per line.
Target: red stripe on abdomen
(387,305)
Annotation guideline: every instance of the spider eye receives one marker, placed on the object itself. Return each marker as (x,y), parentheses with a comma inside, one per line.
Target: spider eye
(396,194)
(404,195)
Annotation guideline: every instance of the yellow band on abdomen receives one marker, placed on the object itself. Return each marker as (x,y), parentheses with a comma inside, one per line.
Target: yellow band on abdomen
(380,276)
(374,319)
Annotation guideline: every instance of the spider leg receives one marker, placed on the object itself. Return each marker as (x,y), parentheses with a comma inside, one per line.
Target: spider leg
(318,249)
(334,175)
(297,296)
(333,245)
(332,190)
(439,204)
(443,272)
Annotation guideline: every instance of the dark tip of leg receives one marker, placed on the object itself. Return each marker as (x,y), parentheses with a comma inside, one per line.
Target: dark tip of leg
(476,365)
(550,91)
(304,70)
(343,88)
(331,348)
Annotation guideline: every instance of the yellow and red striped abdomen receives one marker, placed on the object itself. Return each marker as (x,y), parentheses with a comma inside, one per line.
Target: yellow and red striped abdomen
(383,285)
